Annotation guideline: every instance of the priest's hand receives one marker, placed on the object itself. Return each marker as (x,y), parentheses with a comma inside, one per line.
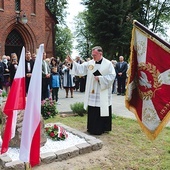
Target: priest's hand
(96,78)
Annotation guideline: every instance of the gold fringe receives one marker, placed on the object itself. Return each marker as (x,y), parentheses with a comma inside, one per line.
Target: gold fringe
(151,135)
(131,57)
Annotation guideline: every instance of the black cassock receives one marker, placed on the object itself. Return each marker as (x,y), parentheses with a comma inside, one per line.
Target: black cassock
(96,124)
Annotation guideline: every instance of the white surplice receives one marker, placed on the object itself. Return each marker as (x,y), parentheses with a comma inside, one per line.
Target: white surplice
(97,93)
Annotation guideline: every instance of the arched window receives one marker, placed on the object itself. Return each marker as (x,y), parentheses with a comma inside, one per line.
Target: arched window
(17,5)
(14,39)
(14,43)
(33,6)
(1,4)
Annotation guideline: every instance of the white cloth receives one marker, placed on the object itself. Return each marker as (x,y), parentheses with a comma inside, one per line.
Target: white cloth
(28,67)
(67,77)
(97,94)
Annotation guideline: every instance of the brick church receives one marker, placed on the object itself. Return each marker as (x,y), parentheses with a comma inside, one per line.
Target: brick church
(26,23)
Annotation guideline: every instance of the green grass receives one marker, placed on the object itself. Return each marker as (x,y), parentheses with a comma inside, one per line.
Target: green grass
(128,145)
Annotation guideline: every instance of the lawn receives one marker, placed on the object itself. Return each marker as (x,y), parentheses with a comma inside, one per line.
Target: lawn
(129,147)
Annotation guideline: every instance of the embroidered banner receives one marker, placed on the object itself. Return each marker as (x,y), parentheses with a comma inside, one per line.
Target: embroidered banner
(148,84)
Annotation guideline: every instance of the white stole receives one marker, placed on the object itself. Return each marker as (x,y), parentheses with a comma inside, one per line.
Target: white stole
(104,102)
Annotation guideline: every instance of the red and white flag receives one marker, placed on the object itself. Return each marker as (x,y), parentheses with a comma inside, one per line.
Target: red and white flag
(30,138)
(149,80)
(15,101)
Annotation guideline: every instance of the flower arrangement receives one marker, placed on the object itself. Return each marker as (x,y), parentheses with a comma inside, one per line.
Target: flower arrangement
(55,132)
(48,108)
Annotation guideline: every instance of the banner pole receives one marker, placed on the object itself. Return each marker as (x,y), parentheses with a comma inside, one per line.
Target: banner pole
(146,30)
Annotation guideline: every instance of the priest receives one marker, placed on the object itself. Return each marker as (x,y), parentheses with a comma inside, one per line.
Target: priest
(98,93)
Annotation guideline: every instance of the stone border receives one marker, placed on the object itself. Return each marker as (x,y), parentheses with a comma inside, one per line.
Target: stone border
(91,144)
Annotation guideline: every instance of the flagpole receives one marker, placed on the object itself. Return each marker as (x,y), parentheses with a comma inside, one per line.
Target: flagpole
(27,166)
(150,33)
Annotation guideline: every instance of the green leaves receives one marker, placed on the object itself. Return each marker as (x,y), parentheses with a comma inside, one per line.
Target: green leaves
(78,108)
(109,22)
(57,8)
(63,42)
(48,108)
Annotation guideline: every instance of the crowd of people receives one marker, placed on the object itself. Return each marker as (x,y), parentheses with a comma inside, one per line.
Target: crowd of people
(99,76)
(56,75)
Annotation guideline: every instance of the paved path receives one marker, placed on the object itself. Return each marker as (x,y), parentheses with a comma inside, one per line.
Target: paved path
(118,108)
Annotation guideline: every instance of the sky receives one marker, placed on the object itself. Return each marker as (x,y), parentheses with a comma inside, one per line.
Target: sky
(74,7)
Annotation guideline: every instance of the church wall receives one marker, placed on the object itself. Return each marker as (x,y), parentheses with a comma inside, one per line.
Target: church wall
(50,36)
(33,32)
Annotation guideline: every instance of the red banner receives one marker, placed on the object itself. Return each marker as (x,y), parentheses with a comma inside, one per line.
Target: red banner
(149,80)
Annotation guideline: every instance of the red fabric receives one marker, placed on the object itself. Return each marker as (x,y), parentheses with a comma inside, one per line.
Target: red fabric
(30,138)
(135,101)
(161,59)
(7,133)
(35,148)
(16,97)
(15,101)
(144,86)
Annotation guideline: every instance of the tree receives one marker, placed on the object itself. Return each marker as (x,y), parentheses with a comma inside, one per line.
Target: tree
(107,22)
(82,35)
(57,8)
(108,27)
(154,14)
(63,36)
(63,42)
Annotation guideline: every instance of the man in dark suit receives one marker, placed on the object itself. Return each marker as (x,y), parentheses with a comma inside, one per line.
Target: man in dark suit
(29,64)
(45,78)
(121,69)
(1,75)
(77,78)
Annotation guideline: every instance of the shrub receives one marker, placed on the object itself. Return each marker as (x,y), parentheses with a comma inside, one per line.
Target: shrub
(48,108)
(78,108)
